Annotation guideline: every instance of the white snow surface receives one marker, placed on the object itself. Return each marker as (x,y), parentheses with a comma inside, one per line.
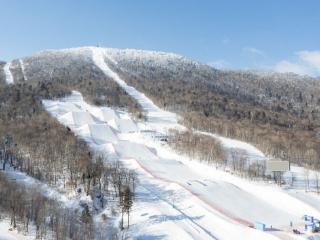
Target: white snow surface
(23,69)
(182,199)
(8,74)
(7,233)
(230,145)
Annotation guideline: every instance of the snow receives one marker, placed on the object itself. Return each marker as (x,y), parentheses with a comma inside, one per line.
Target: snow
(23,69)
(9,77)
(230,145)
(160,119)
(108,114)
(176,198)
(7,233)
(142,55)
(179,198)
(77,118)
(267,201)
(102,133)
(80,118)
(299,175)
(126,125)
(173,199)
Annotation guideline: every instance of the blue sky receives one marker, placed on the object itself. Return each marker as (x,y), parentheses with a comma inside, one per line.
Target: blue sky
(277,34)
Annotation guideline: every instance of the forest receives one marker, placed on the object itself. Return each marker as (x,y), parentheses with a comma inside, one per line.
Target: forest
(33,142)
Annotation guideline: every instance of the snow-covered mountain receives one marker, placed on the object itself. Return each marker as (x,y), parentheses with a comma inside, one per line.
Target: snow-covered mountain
(179,195)
(77,63)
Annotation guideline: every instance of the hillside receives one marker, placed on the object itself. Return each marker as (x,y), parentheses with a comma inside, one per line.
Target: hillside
(262,108)
(137,144)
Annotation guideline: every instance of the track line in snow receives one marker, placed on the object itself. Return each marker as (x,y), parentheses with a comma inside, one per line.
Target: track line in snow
(8,74)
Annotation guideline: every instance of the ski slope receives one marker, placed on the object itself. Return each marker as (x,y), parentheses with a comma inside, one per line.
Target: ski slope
(267,201)
(179,197)
(176,198)
(156,117)
(8,74)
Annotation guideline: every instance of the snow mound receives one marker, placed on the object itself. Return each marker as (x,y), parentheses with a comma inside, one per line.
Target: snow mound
(77,119)
(108,114)
(127,149)
(126,125)
(102,133)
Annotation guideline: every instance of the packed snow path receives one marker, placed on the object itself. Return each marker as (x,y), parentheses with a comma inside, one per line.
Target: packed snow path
(194,199)
(8,74)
